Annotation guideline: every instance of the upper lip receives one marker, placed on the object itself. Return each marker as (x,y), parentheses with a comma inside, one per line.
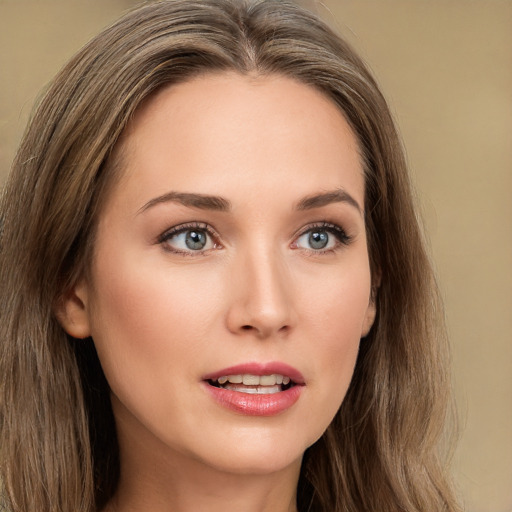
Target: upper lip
(255,368)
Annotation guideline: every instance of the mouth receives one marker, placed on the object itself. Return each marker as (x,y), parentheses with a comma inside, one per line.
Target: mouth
(253,384)
(256,389)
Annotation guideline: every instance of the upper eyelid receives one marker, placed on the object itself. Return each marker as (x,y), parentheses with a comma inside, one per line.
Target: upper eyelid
(322,225)
(343,238)
(180,228)
(168,234)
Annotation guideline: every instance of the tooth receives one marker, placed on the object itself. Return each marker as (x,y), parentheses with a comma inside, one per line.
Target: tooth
(249,391)
(268,380)
(243,389)
(251,380)
(254,380)
(269,390)
(256,390)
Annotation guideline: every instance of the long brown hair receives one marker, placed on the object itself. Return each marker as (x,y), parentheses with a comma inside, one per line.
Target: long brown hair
(57,433)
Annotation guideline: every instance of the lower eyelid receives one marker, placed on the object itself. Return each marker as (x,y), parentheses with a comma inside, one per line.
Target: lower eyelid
(332,245)
(165,239)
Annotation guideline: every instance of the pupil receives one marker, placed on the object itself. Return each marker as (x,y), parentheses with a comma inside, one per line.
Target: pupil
(318,239)
(195,240)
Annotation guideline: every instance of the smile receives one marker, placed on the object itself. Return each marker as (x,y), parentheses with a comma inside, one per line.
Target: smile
(253,384)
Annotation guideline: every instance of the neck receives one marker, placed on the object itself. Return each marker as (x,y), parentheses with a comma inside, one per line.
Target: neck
(215,493)
(184,486)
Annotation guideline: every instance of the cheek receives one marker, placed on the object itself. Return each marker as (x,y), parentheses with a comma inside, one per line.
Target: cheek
(337,346)
(337,301)
(336,313)
(146,320)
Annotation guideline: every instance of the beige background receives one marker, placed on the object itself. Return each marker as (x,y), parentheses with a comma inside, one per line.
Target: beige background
(446,68)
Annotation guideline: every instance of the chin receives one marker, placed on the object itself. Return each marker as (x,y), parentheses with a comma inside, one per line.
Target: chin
(257,452)
(251,463)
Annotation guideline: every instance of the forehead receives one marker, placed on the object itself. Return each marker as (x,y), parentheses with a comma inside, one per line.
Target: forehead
(221,133)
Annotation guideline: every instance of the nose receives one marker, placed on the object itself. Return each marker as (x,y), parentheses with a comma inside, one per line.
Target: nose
(261,302)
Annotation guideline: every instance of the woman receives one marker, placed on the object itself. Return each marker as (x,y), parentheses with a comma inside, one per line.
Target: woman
(214,288)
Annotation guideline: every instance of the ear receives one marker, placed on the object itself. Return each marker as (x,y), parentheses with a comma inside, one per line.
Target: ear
(371,312)
(72,311)
(369,318)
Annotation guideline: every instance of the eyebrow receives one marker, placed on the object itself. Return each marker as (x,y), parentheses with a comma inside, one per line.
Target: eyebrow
(220,204)
(201,201)
(325,198)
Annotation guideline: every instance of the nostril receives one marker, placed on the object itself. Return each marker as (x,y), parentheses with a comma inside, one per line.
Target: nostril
(246,327)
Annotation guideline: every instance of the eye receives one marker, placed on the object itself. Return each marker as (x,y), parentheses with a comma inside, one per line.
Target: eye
(188,239)
(323,238)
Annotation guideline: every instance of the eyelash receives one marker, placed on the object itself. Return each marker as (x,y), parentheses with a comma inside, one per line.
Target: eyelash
(342,239)
(183,228)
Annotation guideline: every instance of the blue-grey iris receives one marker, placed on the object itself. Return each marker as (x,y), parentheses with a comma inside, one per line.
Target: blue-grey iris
(195,240)
(318,239)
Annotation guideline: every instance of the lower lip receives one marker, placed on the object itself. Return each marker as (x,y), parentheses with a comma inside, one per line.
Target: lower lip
(255,405)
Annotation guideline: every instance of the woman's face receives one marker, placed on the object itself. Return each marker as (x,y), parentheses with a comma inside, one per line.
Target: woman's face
(230,284)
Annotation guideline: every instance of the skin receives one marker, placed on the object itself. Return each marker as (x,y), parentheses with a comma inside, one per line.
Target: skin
(162,315)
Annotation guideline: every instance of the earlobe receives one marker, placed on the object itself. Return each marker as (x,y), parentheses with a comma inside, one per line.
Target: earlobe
(72,311)
(369,318)
(371,311)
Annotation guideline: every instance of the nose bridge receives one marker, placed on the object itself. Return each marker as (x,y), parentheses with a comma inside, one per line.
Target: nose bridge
(262,304)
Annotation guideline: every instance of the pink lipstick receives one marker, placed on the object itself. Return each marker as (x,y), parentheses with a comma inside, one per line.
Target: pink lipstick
(256,389)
